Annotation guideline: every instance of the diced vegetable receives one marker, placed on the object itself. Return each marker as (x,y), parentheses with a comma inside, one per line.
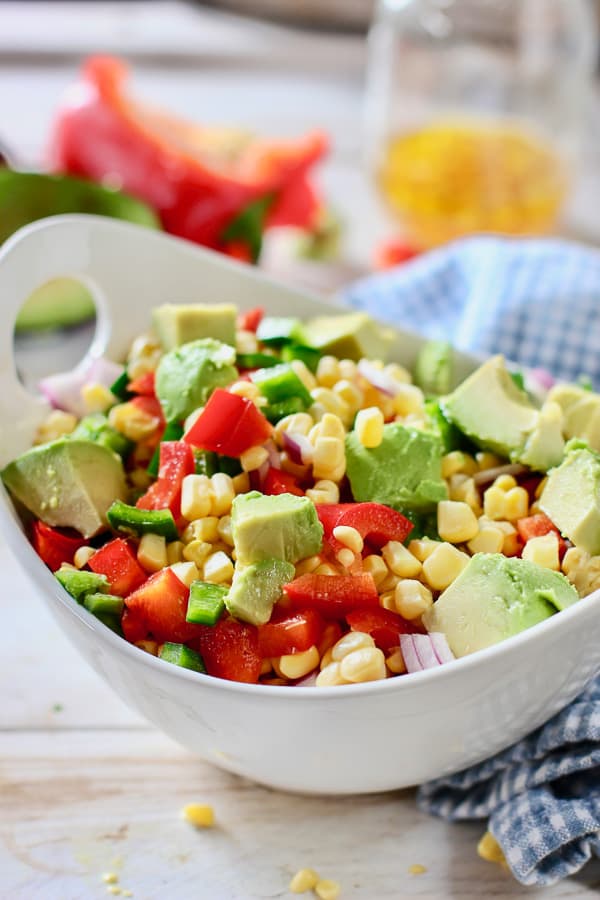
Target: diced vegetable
(117,560)
(54,546)
(161,604)
(290,632)
(333,595)
(280,383)
(180,655)
(279,482)
(250,319)
(176,461)
(173,432)
(424,651)
(384,626)
(228,424)
(104,604)
(132,520)
(230,650)
(206,603)
(80,583)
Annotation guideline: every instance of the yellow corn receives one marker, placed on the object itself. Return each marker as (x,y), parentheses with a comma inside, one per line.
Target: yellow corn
(186,572)
(462,488)
(330,676)
(308,565)
(443,566)
(364,664)
(110,878)
(486,460)
(223,493)
(241,483)
(218,568)
(297,423)
(400,560)
(150,647)
(205,529)
(197,552)
(328,371)
(304,880)
(368,426)
(488,540)
(245,341)
(348,369)
(412,598)
(456,521)
(395,662)
(199,814)
(574,558)
(350,393)
(349,536)
(96,398)
(516,504)
(152,552)
(196,497)
(246,389)
(55,425)
(304,374)
(494,503)
(505,482)
(458,462)
(297,665)
(324,491)
(330,402)
(376,567)
(329,457)
(408,400)
(132,421)
(345,557)
(330,426)
(82,556)
(387,599)
(353,640)
(326,889)
(423,548)
(398,373)
(174,552)
(543,551)
(253,458)
(389,582)
(224,530)
(326,569)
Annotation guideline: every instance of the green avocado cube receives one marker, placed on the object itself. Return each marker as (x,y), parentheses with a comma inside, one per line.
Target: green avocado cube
(571,497)
(281,526)
(186,376)
(180,323)
(404,471)
(256,588)
(348,336)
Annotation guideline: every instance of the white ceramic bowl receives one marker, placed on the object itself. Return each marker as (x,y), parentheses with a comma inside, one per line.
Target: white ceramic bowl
(353,739)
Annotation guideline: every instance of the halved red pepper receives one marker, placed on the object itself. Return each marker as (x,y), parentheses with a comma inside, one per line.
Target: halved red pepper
(176,460)
(332,595)
(228,424)
(537,526)
(250,319)
(53,546)
(144,385)
(197,179)
(290,632)
(117,560)
(384,626)
(230,650)
(279,482)
(161,605)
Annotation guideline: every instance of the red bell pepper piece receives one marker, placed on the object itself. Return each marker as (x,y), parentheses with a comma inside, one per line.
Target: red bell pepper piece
(537,526)
(332,595)
(376,523)
(151,406)
(331,635)
(173,165)
(384,626)
(279,482)
(251,319)
(118,562)
(134,626)
(143,385)
(228,424)
(176,460)
(161,604)
(393,252)
(230,650)
(290,633)
(53,546)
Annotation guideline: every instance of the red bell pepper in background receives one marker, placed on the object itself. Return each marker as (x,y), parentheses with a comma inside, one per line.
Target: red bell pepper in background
(161,605)
(537,526)
(393,252)
(384,626)
(251,319)
(176,460)
(290,632)
(230,650)
(332,595)
(143,385)
(53,546)
(176,166)
(279,482)
(228,424)
(118,562)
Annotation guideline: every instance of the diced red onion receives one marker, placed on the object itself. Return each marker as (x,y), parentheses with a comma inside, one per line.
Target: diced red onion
(409,654)
(424,651)
(298,447)
(63,390)
(378,378)
(308,681)
(486,476)
(261,473)
(440,646)
(542,378)
(274,457)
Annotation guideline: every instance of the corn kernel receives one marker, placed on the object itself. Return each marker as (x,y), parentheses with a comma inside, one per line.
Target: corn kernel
(224,530)
(543,551)
(488,540)
(540,488)
(458,462)
(297,423)
(308,565)
(152,552)
(253,458)
(505,482)
(197,552)
(400,560)
(345,557)
(353,640)
(387,599)
(368,427)
(297,665)
(376,567)
(350,393)
(423,548)
(443,566)
(199,814)
(132,421)
(489,849)
(456,521)
(246,389)
(395,662)
(326,889)
(304,374)
(349,536)
(412,598)
(114,889)
(330,676)
(331,403)
(516,504)
(186,572)
(330,426)
(486,460)
(245,341)
(389,583)
(223,493)
(328,371)
(196,497)
(364,664)
(398,373)
(56,424)
(326,569)
(416,869)
(96,398)
(174,552)
(463,489)
(218,568)
(407,400)
(241,483)
(205,529)
(304,880)
(324,491)
(494,503)
(82,556)
(574,558)
(328,457)
(327,658)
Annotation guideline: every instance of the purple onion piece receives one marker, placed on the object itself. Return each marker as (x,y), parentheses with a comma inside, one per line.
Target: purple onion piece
(377,378)
(425,652)
(298,447)
(63,390)
(409,653)
(440,647)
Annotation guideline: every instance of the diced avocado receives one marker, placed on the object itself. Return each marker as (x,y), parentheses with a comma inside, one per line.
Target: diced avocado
(581,411)
(79,583)
(280,526)
(491,410)
(348,336)
(256,588)
(451,437)
(404,471)
(495,597)
(96,428)
(179,323)
(433,368)
(68,482)
(186,376)
(571,497)
(180,655)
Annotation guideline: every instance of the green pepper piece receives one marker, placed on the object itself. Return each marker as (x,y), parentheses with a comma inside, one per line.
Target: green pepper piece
(255,360)
(132,520)
(230,465)
(119,387)
(276,411)
(206,604)
(80,583)
(180,655)
(281,383)
(105,604)
(172,432)
(308,355)
(206,462)
(280,330)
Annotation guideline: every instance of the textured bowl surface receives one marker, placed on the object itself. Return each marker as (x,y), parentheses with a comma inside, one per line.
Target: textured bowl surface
(355,739)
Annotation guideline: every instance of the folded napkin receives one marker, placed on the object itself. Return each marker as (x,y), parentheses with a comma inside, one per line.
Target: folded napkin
(535,301)
(538,303)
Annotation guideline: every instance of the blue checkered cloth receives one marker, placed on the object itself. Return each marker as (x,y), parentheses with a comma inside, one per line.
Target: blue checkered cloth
(535,301)
(538,303)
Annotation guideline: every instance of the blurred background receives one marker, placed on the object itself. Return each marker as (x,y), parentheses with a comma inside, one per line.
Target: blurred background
(317,138)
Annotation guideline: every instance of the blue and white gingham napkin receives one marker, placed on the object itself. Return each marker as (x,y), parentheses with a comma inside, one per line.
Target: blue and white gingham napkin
(535,301)
(538,302)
